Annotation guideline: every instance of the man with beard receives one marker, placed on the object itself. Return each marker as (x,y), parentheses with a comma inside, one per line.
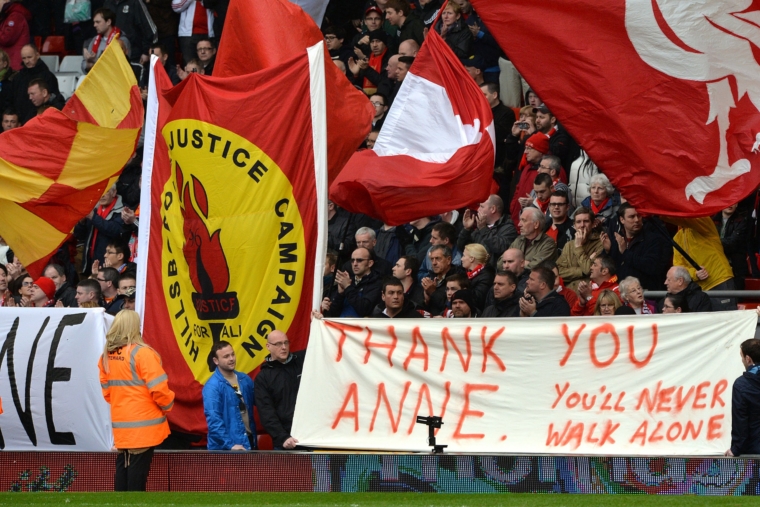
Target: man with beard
(228,402)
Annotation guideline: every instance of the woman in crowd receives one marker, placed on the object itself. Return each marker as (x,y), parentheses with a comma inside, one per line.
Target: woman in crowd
(675,303)
(603,201)
(454,31)
(479,272)
(139,395)
(21,290)
(526,125)
(607,303)
(632,295)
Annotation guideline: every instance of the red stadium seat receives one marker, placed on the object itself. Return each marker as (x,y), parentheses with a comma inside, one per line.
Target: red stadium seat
(38,42)
(54,45)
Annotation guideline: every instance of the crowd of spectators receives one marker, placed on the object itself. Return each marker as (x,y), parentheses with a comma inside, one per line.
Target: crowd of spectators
(556,239)
(555,222)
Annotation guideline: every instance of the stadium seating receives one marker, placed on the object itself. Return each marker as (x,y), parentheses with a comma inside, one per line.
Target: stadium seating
(71,63)
(51,61)
(66,83)
(54,45)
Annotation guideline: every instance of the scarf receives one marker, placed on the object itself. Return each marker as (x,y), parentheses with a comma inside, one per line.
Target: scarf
(98,38)
(542,205)
(475,272)
(376,63)
(102,213)
(596,209)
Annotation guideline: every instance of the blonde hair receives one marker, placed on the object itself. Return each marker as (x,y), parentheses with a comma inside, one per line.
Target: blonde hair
(455,7)
(478,252)
(125,330)
(89,304)
(606,295)
(528,111)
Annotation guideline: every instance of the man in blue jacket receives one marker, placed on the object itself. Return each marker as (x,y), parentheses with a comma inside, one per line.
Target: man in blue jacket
(228,403)
(745,403)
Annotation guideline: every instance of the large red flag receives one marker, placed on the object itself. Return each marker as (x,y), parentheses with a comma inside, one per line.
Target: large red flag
(272,31)
(435,151)
(232,213)
(662,94)
(54,169)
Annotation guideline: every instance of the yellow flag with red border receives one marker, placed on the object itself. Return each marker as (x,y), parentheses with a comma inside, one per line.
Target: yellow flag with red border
(54,169)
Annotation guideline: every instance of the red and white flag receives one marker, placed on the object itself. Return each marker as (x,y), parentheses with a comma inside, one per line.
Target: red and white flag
(435,151)
(662,94)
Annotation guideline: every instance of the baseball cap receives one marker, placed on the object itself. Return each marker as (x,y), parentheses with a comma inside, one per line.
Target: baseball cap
(542,109)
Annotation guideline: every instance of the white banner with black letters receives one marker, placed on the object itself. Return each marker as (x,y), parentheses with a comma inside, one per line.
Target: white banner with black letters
(49,384)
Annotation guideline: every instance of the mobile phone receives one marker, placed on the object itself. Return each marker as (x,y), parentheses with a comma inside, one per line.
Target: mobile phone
(522,125)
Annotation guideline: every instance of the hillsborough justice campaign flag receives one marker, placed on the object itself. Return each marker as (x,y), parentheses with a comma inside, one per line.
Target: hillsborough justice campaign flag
(438,140)
(233,205)
(662,94)
(253,40)
(54,169)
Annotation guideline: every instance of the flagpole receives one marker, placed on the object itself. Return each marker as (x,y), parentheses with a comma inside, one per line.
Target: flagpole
(318,96)
(143,234)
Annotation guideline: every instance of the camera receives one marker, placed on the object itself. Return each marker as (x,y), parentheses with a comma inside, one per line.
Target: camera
(523,125)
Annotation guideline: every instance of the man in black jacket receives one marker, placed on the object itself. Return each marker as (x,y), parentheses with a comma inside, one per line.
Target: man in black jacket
(64,292)
(506,300)
(489,226)
(41,98)
(435,288)
(394,305)
(358,294)
(678,281)
(541,300)
(745,403)
(33,68)
(277,389)
(638,248)
(135,23)
(734,229)
(503,119)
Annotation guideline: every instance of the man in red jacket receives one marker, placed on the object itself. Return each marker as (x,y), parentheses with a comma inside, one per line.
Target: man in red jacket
(602,277)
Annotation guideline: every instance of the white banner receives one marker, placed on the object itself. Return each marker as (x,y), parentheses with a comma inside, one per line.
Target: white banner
(639,385)
(49,382)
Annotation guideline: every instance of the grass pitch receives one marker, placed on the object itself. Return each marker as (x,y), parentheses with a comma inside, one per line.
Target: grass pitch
(363,500)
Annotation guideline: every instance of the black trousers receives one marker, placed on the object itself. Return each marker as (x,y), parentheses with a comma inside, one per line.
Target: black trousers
(132,470)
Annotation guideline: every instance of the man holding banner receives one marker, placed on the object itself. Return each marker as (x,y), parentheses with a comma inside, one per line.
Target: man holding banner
(277,386)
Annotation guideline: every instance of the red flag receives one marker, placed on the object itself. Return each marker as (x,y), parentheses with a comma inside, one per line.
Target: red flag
(435,151)
(272,31)
(233,243)
(662,94)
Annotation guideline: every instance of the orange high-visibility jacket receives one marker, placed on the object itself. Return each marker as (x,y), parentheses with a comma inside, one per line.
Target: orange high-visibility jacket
(136,386)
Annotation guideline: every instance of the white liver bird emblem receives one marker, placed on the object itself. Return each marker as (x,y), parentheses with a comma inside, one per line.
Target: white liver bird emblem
(721,35)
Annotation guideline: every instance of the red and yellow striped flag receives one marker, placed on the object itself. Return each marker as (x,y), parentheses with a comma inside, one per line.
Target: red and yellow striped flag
(54,169)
